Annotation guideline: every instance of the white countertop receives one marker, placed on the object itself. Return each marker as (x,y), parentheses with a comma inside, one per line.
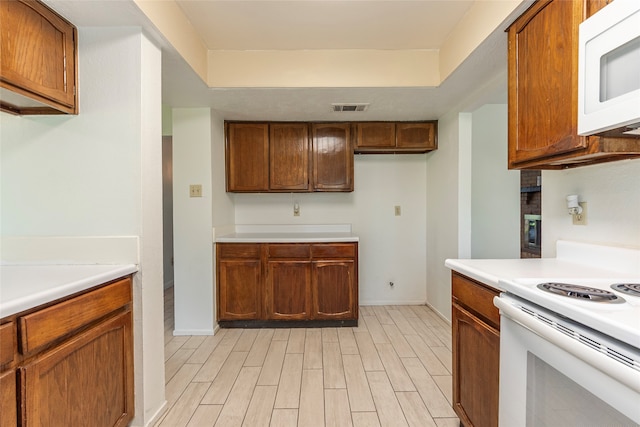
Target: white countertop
(574,260)
(289,234)
(26,286)
(491,271)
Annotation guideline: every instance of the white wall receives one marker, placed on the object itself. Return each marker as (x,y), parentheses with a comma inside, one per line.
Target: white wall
(443,211)
(392,248)
(612,193)
(473,201)
(192,222)
(495,190)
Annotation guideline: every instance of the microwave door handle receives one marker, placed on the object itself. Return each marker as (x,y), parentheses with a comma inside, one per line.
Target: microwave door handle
(625,375)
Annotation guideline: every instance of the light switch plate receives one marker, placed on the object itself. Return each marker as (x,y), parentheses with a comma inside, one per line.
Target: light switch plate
(398,210)
(195,190)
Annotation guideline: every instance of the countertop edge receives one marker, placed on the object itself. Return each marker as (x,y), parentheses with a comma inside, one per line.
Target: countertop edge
(32,300)
(474,273)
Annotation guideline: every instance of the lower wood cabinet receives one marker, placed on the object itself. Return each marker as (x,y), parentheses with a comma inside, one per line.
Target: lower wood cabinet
(287,282)
(239,282)
(8,399)
(73,362)
(476,352)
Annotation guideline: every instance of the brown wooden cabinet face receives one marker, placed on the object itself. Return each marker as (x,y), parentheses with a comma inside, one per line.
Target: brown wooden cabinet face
(239,285)
(86,378)
(332,157)
(289,290)
(543,91)
(38,54)
(476,358)
(334,289)
(247,157)
(8,399)
(375,135)
(416,135)
(289,156)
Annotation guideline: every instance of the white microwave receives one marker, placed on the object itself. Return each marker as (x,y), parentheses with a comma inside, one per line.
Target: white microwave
(609,71)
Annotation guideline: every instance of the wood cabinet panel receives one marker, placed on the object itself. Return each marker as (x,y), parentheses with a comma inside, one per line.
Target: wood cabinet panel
(476,297)
(45,326)
(476,352)
(247,157)
(38,53)
(8,399)
(89,377)
(289,156)
(395,137)
(285,250)
(416,135)
(332,157)
(7,343)
(288,290)
(543,91)
(476,358)
(240,286)
(334,250)
(375,135)
(334,290)
(238,250)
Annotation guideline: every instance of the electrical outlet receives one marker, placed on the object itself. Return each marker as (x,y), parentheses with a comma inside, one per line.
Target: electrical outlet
(398,210)
(581,218)
(195,190)
(296,209)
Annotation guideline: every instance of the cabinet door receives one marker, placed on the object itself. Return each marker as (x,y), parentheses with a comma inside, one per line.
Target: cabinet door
(289,156)
(38,54)
(334,289)
(375,135)
(288,290)
(476,367)
(239,289)
(332,157)
(8,399)
(416,135)
(247,157)
(543,81)
(86,379)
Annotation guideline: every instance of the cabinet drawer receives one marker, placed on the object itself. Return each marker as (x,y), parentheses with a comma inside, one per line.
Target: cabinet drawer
(7,335)
(239,250)
(45,326)
(333,250)
(283,250)
(475,297)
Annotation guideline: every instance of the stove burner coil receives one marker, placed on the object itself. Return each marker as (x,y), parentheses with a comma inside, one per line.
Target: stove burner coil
(579,292)
(627,288)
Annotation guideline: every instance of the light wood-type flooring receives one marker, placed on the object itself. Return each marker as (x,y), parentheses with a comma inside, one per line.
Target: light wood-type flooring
(394,369)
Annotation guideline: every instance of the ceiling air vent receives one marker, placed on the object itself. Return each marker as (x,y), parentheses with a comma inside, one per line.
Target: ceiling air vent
(349,107)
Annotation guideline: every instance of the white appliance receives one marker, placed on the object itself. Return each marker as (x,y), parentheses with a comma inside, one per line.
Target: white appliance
(609,71)
(570,355)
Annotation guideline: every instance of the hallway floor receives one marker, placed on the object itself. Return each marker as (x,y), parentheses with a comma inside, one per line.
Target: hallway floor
(394,369)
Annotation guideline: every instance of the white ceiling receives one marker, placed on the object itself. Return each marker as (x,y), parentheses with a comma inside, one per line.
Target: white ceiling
(309,24)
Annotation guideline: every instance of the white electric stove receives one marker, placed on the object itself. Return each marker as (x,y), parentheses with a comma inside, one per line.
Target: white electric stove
(570,346)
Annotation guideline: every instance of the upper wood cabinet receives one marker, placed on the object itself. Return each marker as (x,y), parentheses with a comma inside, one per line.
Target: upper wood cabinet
(543,91)
(392,137)
(332,157)
(247,157)
(38,53)
(288,157)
